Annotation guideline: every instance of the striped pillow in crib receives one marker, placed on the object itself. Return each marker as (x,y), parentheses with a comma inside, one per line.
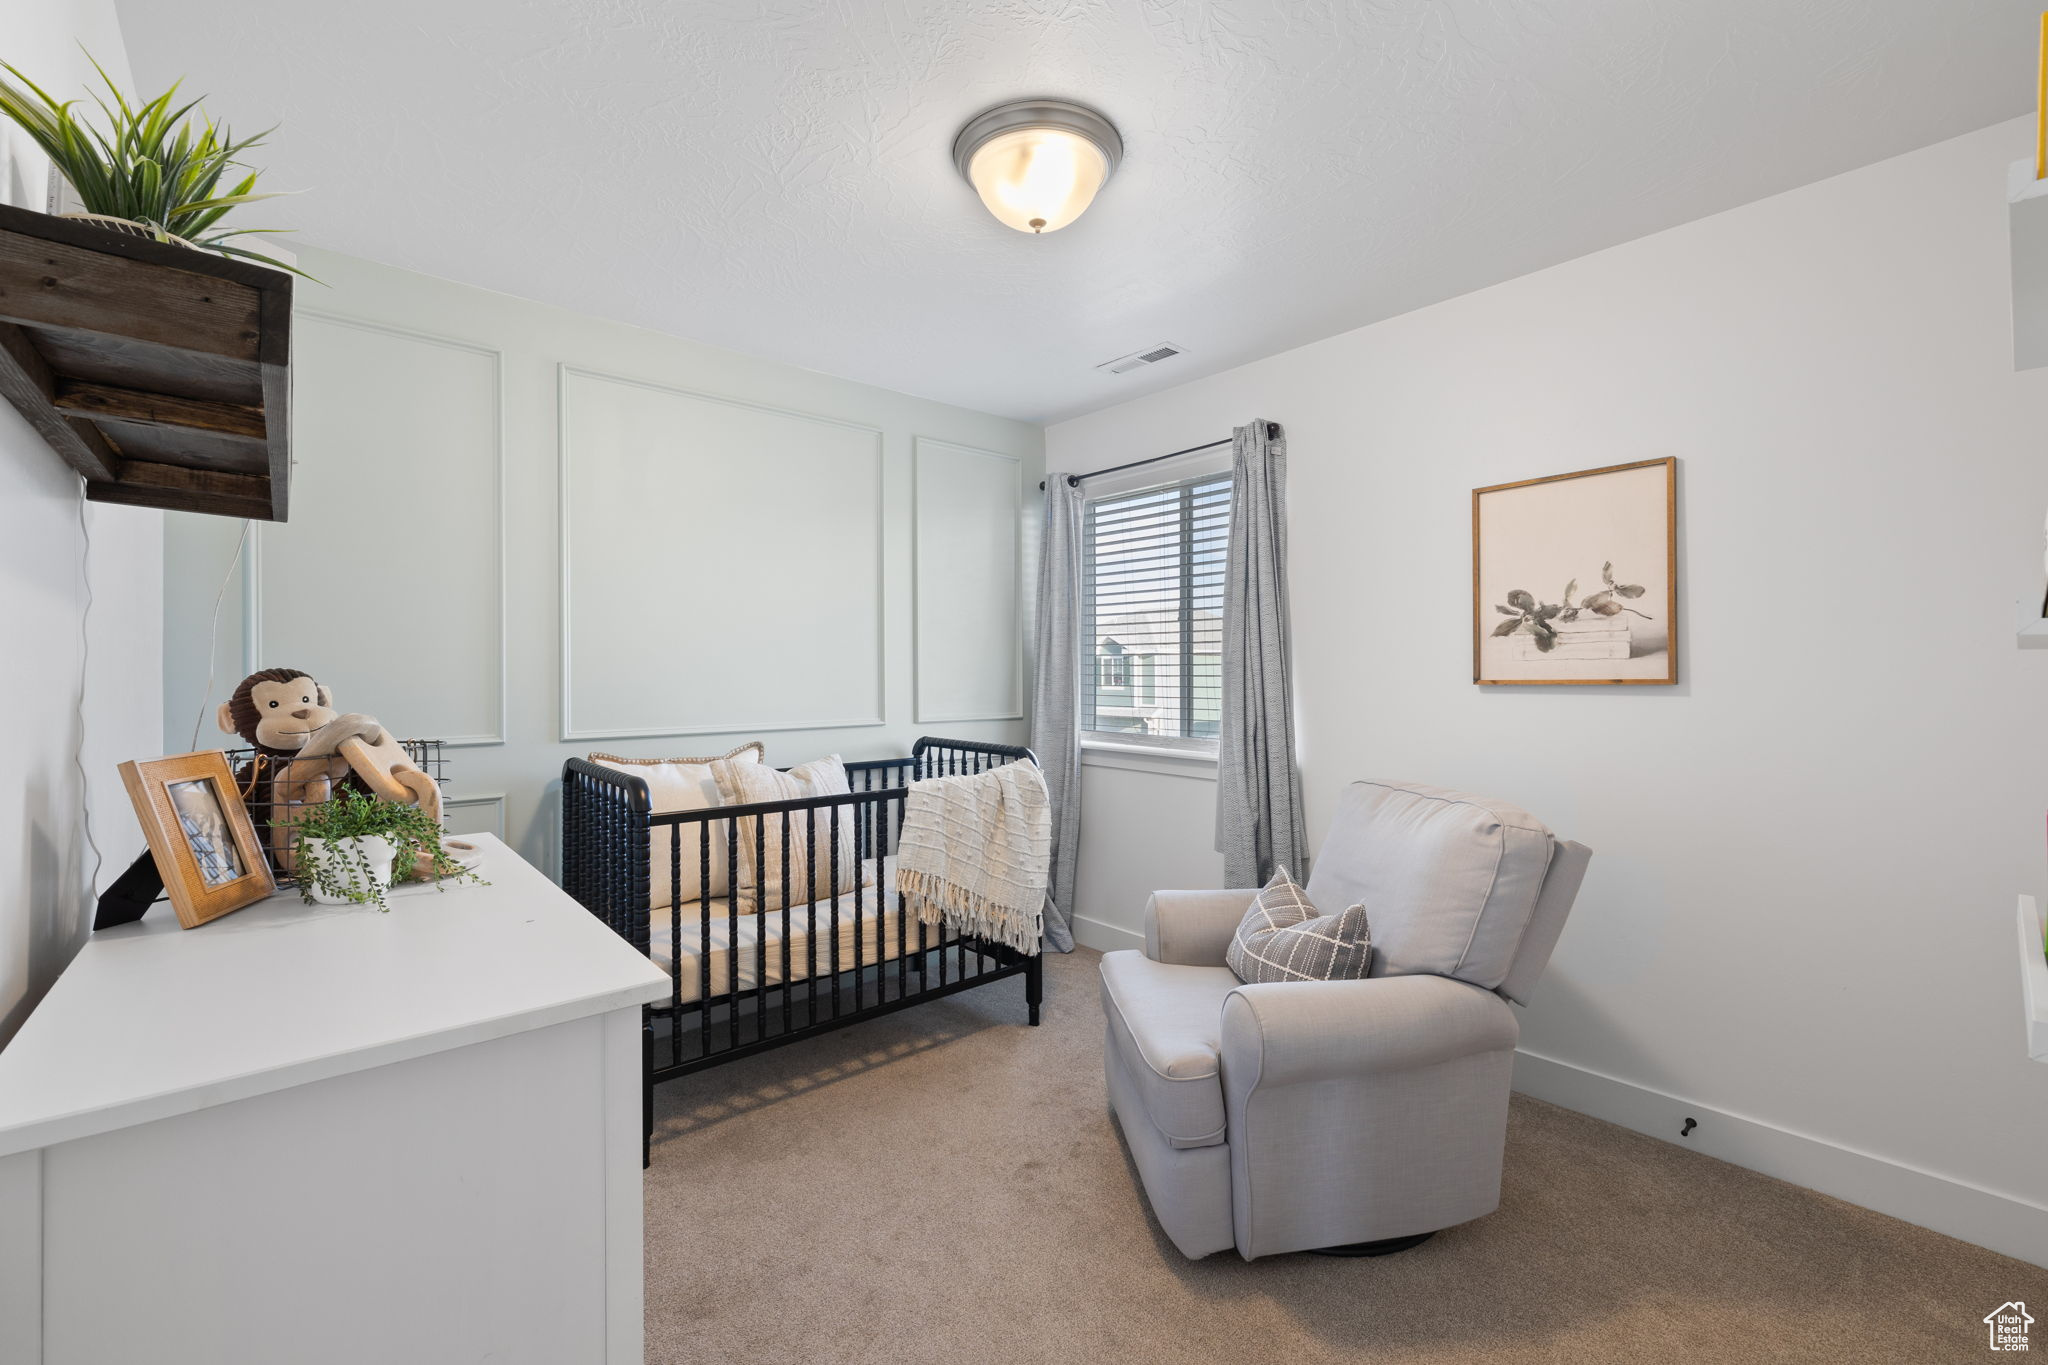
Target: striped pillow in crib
(809,833)
(677,784)
(1283,937)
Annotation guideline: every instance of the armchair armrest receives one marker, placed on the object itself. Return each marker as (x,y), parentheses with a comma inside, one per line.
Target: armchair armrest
(1193,928)
(1284,1032)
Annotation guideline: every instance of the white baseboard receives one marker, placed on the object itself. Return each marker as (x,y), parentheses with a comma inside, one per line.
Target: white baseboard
(2004,1223)
(1105,937)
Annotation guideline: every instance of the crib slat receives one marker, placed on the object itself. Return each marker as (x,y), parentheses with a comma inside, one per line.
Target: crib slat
(832,857)
(785,916)
(902,929)
(859,930)
(732,933)
(811,919)
(760,941)
(675,944)
(924,936)
(703,940)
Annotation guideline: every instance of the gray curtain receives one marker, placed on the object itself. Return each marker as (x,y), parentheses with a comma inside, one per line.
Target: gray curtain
(1258,790)
(1055,735)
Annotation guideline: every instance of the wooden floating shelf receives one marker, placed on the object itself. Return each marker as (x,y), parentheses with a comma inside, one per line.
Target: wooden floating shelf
(160,373)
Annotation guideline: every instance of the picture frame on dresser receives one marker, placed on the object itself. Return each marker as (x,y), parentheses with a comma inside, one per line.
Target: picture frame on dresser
(1575,578)
(200,835)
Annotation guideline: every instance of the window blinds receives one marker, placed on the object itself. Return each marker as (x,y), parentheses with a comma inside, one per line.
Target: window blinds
(1153,611)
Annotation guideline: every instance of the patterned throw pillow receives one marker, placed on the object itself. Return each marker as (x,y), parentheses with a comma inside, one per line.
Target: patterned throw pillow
(809,839)
(1283,938)
(675,784)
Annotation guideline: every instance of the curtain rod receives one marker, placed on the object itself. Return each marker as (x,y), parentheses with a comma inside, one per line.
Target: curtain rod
(1074,480)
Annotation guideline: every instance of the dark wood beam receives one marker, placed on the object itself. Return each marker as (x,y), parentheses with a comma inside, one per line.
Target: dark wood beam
(55,284)
(129,495)
(145,483)
(160,410)
(26,382)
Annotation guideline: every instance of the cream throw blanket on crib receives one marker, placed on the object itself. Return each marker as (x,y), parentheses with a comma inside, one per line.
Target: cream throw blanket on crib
(976,852)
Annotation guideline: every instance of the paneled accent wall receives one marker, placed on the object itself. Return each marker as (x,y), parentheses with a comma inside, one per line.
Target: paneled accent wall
(753,534)
(970,563)
(535,534)
(396,544)
(476,814)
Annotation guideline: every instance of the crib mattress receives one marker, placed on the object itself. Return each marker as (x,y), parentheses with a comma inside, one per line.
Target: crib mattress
(873,930)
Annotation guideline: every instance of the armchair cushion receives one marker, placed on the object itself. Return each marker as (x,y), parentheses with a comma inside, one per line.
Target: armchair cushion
(1283,937)
(1164,1024)
(1285,1033)
(1451,879)
(1193,928)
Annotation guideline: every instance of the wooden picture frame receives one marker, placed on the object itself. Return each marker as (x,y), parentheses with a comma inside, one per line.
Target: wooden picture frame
(1575,578)
(199,833)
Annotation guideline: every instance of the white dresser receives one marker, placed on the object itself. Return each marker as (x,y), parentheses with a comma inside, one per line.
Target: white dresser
(302,1134)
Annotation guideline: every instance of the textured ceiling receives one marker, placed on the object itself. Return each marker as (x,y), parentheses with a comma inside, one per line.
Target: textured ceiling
(774,177)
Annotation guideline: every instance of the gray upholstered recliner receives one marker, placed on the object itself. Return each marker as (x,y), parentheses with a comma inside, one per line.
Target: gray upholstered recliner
(1358,1115)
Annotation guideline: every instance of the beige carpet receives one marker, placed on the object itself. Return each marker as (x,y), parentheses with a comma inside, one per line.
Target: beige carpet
(945,1185)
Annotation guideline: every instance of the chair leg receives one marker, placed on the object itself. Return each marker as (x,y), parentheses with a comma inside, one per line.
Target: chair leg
(1034,985)
(1386,1246)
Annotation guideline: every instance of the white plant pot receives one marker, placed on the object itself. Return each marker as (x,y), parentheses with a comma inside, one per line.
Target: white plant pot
(379,852)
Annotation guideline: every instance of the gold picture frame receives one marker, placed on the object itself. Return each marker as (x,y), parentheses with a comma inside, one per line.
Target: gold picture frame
(1605,543)
(199,833)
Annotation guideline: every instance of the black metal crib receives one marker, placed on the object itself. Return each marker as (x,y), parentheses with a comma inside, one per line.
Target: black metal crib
(873,960)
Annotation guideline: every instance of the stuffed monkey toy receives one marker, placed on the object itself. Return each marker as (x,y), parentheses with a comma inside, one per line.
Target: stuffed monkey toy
(306,751)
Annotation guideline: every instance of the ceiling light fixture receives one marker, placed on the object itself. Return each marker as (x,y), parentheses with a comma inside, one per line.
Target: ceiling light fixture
(1037,163)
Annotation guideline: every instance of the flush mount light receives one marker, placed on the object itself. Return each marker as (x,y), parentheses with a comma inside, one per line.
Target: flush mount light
(1037,163)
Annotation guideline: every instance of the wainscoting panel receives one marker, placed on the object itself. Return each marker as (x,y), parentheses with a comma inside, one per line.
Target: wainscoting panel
(480,814)
(388,582)
(969,580)
(721,564)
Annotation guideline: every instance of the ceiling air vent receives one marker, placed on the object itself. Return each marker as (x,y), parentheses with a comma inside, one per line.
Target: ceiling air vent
(1139,359)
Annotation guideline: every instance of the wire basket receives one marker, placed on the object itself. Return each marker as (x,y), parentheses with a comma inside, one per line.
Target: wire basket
(274,796)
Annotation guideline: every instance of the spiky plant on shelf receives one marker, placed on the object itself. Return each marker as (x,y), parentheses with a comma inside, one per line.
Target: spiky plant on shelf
(154,169)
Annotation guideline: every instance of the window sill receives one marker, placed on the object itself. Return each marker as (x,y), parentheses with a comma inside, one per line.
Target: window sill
(1145,758)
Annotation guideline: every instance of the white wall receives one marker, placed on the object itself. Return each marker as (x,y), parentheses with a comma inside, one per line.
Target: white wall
(52,770)
(1797,925)
(747,545)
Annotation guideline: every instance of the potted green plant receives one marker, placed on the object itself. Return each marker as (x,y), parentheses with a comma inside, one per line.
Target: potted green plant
(351,850)
(152,170)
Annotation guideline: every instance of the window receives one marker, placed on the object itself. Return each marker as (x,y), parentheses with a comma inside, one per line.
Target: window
(1152,613)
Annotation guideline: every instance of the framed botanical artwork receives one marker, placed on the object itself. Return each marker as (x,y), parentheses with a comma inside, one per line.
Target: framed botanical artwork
(199,833)
(1575,577)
